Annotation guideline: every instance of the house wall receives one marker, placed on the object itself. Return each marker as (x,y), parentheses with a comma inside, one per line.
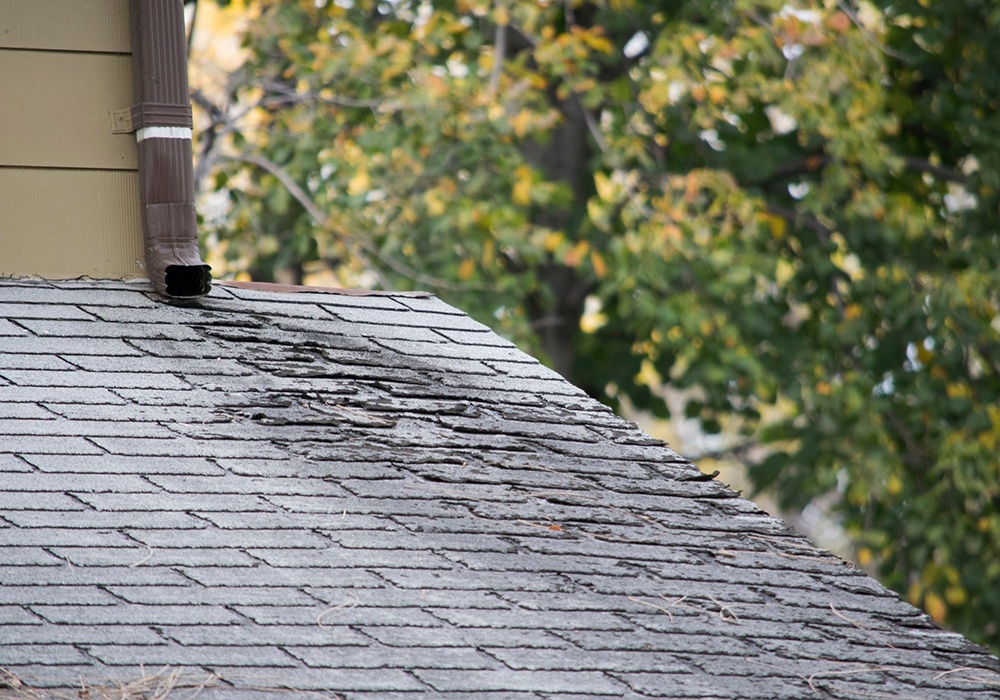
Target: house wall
(69,186)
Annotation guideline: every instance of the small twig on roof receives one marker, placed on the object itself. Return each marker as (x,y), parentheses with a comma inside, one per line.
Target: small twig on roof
(144,559)
(652,605)
(354,600)
(861,627)
(724,610)
(9,680)
(846,672)
(973,679)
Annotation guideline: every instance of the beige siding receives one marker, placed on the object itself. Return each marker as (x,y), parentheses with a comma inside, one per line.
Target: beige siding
(69,223)
(56,109)
(65,25)
(69,189)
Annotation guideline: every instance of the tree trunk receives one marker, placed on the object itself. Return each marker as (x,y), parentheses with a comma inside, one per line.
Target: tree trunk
(555,311)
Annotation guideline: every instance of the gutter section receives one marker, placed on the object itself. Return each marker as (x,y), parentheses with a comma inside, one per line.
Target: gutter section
(161,119)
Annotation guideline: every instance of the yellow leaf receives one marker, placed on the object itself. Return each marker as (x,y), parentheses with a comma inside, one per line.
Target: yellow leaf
(648,375)
(521,122)
(955,390)
(466,269)
(600,267)
(436,86)
(864,556)
(777,224)
(522,188)
(574,256)
(894,485)
(501,16)
(605,190)
(955,595)
(552,241)
(435,205)
(935,607)
(489,253)
(360,183)
(598,43)
(783,271)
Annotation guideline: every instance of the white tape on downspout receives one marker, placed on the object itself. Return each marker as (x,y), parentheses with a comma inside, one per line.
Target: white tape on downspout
(162,132)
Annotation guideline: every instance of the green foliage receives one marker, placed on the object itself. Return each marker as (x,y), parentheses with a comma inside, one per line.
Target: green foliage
(790,208)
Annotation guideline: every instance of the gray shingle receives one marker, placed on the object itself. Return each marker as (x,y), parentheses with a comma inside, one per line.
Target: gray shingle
(77,378)
(286,576)
(577,681)
(96,330)
(42,444)
(123,464)
(54,595)
(12,361)
(72,513)
(13,463)
(251,636)
(67,346)
(8,329)
(64,312)
(176,655)
(71,483)
(158,502)
(136,614)
(52,426)
(57,395)
(90,575)
(389,657)
(40,633)
(45,655)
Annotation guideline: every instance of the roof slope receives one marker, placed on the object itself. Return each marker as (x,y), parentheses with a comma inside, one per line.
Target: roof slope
(377,496)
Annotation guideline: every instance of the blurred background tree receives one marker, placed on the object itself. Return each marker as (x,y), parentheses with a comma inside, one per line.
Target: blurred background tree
(787,211)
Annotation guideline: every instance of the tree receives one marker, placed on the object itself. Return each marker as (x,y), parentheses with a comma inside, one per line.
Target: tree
(790,210)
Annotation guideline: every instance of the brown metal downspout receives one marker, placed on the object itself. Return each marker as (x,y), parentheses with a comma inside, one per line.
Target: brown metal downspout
(161,119)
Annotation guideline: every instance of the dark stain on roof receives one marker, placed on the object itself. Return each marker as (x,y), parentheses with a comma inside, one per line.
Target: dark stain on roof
(377,497)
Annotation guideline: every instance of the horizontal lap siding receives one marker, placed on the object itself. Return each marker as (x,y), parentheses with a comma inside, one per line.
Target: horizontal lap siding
(96,26)
(67,223)
(56,111)
(68,185)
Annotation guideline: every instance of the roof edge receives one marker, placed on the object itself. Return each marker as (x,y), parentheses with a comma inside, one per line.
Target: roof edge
(301,289)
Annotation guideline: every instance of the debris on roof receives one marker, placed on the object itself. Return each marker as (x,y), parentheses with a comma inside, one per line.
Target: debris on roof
(377,497)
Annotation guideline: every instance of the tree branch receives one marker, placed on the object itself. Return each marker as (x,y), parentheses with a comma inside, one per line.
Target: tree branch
(499,56)
(323,222)
(913,163)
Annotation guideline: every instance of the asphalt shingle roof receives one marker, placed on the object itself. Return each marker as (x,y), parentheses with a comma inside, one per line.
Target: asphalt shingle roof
(377,497)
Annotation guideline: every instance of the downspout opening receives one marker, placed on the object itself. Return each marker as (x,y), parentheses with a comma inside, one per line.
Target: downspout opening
(188,280)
